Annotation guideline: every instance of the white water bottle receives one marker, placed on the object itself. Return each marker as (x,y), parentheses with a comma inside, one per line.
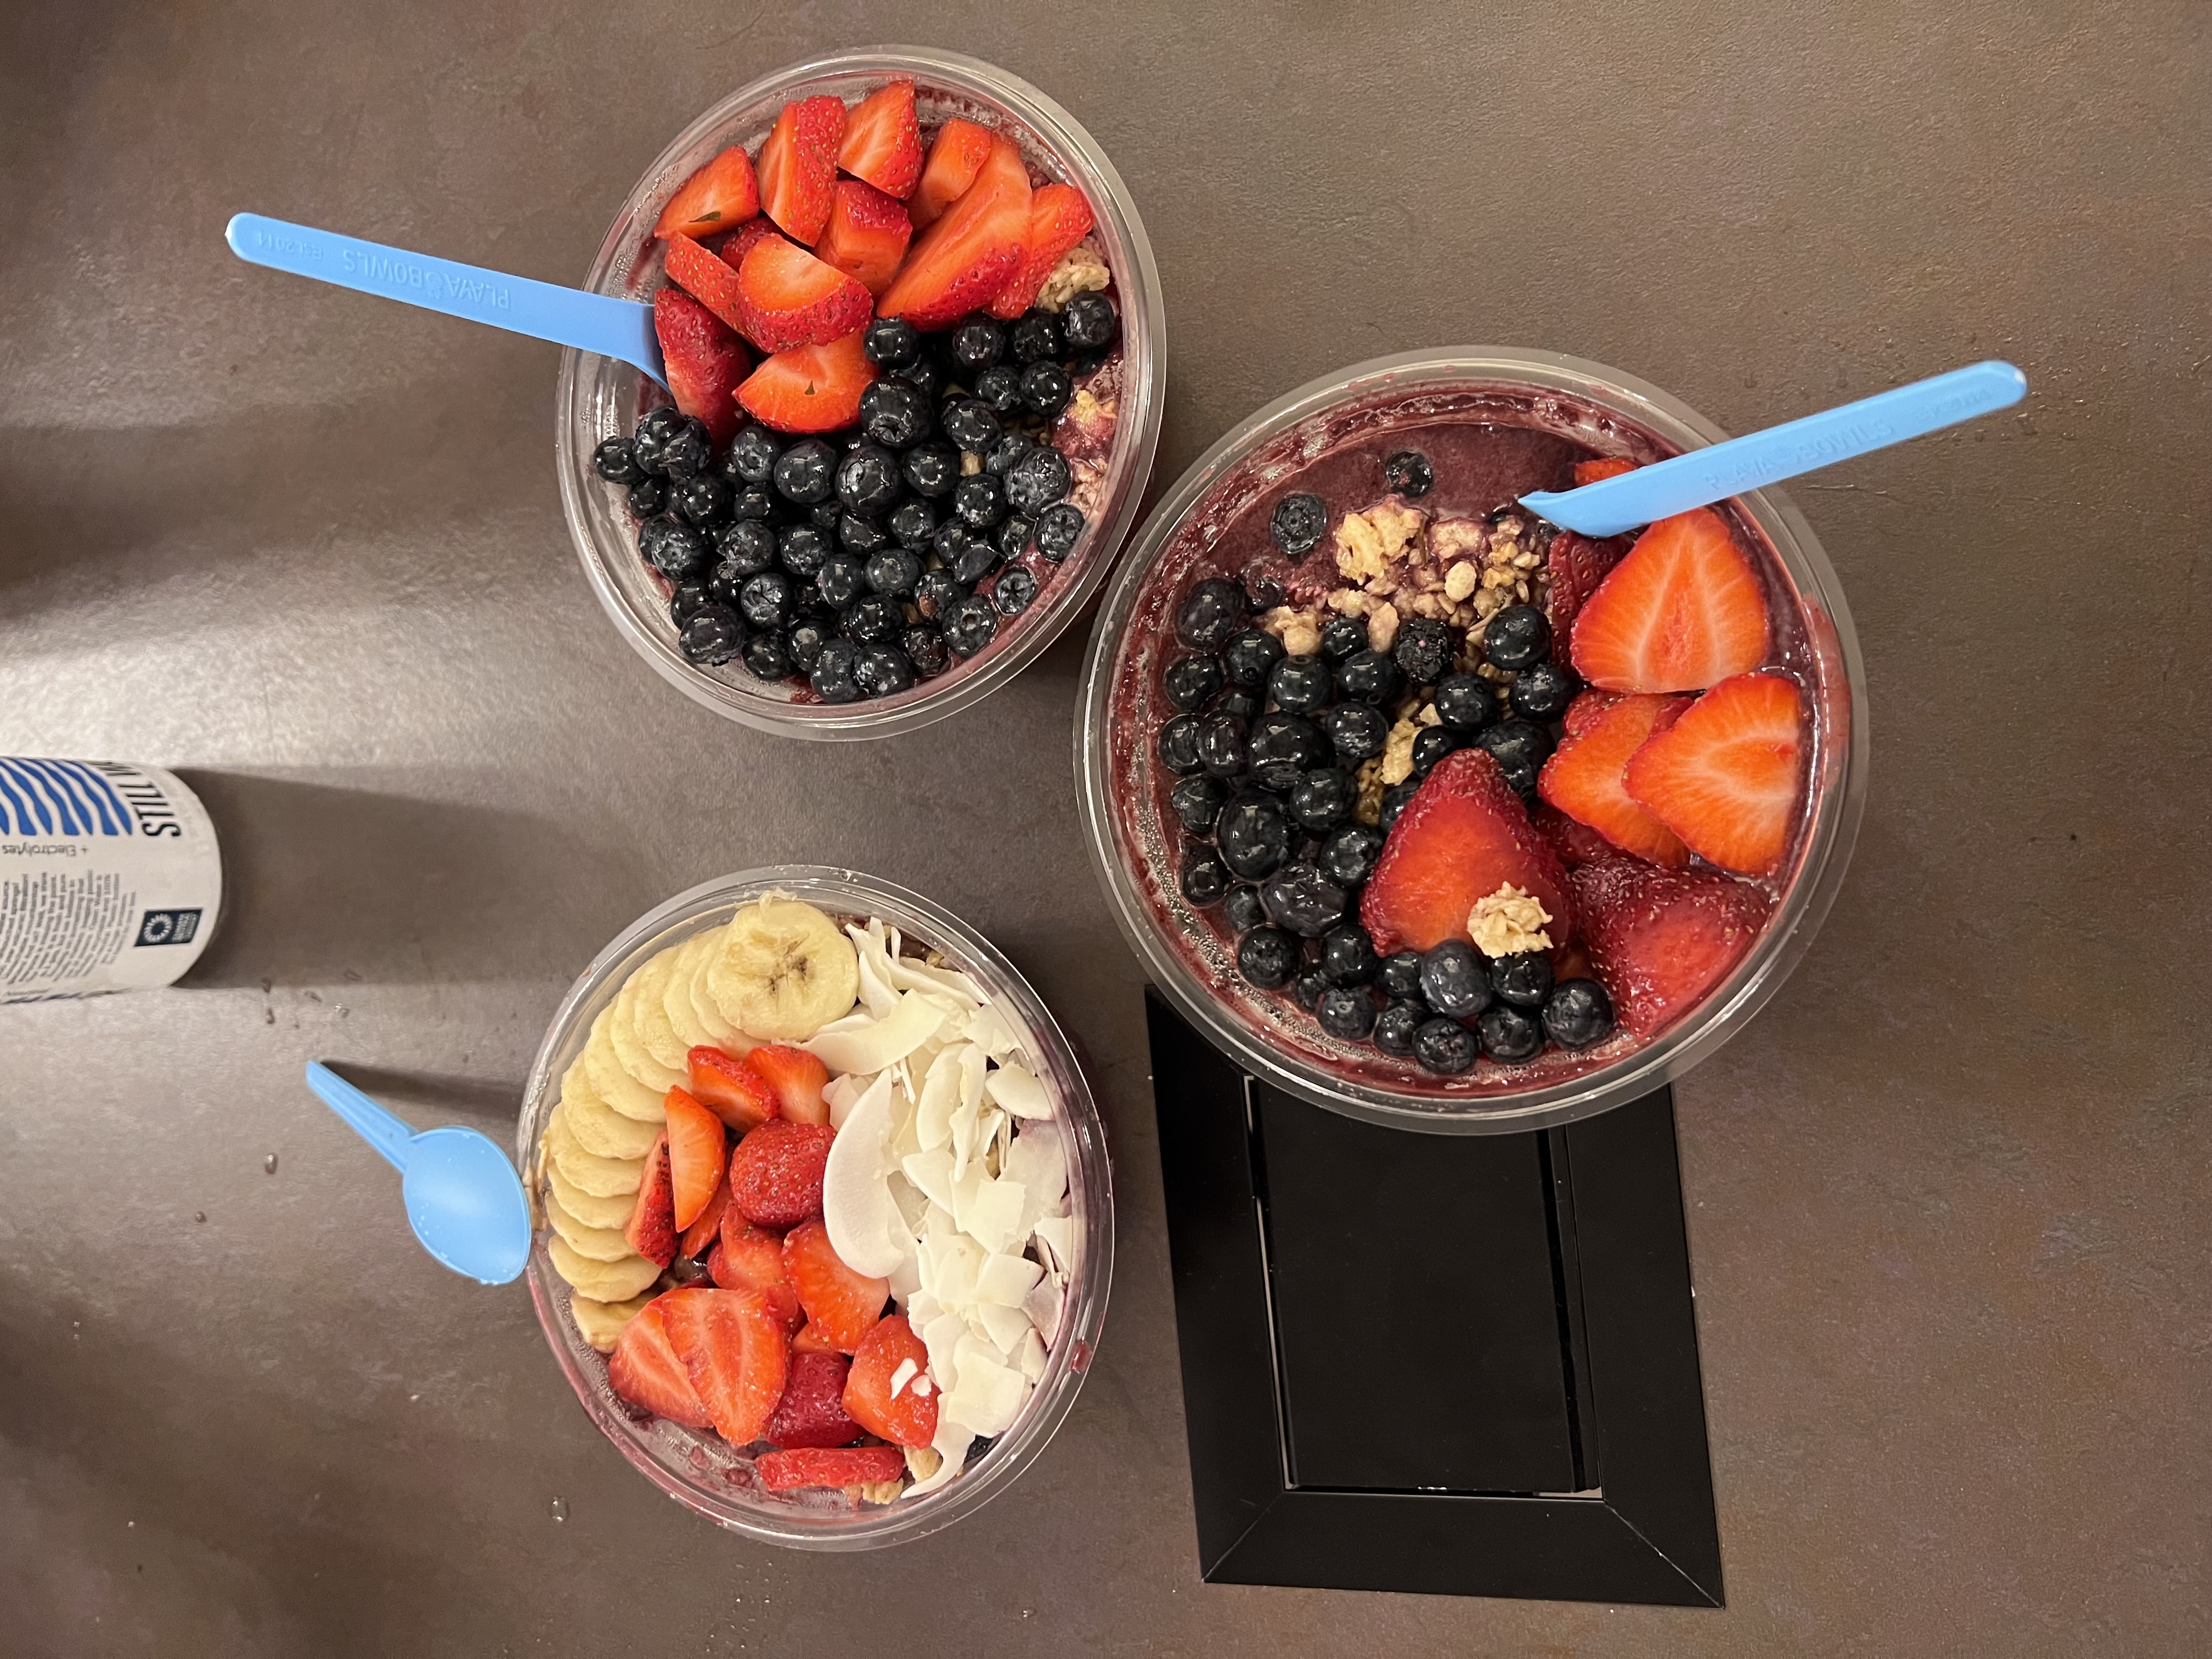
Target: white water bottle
(110,878)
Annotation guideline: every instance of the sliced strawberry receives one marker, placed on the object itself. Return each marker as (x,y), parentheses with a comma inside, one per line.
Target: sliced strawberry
(1725,777)
(739,242)
(705,359)
(698,1153)
(644,1370)
(809,388)
(651,1229)
(1682,611)
(707,279)
(720,196)
(730,1088)
(749,1258)
(813,1410)
(1060,217)
(775,1173)
(811,1340)
(1574,844)
(883,144)
(956,156)
(1577,566)
(792,299)
(1583,778)
(962,261)
(1597,470)
(735,1354)
(798,163)
(907,1418)
(1660,938)
(797,1078)
(699,1237)
(867,235)
(842,1303)
(853,1466)
(1457,840)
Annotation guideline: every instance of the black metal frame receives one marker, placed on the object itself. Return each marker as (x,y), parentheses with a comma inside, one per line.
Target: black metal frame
(1646,1532)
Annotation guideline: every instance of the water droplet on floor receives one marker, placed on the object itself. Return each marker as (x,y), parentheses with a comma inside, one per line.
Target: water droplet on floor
(269,1165)
(559,1510)
(199,1215)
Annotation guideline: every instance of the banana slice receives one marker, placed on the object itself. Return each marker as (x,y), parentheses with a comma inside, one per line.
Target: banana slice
(602,1177)
(612,1082)
(649,1012)
(684,1022)
(602,1323)
(630,1047)
(602,1281)
(784,971)
(600,1243)
(723,1034)
(593,1211)
(604,1133)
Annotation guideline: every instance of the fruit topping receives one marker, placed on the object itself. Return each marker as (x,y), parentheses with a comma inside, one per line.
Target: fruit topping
(853,1466)
(709,281)
(813,1410)
(705,360)
(1586,777)
(1060,217)
(964,257)
(645,1371)
(1660,939)
(700,1237)
(652,1228)
(867,234)
(698,1153)
(749,1258)
(883,142)
(1725,776)
(792,299)
(809,388)
(796,1076)
(735,1354)
(1684,611)
(1598,470)
(721,196)
(1574,566)
(775,1173)
(731,1088)
(798,164)
(1463,835)
(880,1391)
(1579,1013)
(841,1303)
(956,157)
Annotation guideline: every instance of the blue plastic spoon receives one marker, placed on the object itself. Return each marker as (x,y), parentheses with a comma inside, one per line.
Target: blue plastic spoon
(1706,475)
(621,329)
(464,1199)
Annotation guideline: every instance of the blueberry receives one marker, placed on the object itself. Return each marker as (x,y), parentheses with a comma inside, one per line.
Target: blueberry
(1445,1046)
(1198,802)
(1268,958)
(1347,955)
(867,479)
(1262,590)
(1433,744)
(1191,681)
(1308,989)
(968,624)
(1015,590)
(712,635)
(676,550)
(971,425)
(925,374)
(925,649)
(1579,1013)
(1517,637)
(1177,744)
(933,468)
(1347,1013)
(1466,703)
(1509,1035)
(687,600)
(1297,684)
(1046,389)
(969,558)
(824,516)
(1400,975)
(1452,981)
(1040,478)
(895,414)
(1409,473)
(891,343)
(1323,799)
(862,536)
(1368,676)
(1358,731)
(1221,745)
(1348,853)
(1517,746)
(688,449)
(1236,700)
(804,639)
(1087,323)
(1242,909)
(767,657)
(893,572)
(649,441)
(936,592)
(752,455)
(1542,690)
(882,670)
(753,502)
(979,501)
(1292,739)
(832,677)
(703,499)
(801,549)
(616,462)
(1209,614)
(1393,802)
(1013,537)
(1395,1026)
(1297,524)
(873,620)
(999,390)
(765,600)
(977,344)
(1204,878)
(1424,650)
(841,579)
(913,521)
(1036,337)
(806,472)
(1343,638)
(1007,453)
(649,496)
(1523,979)
(1299,898)
(1253,835)
(1250,656)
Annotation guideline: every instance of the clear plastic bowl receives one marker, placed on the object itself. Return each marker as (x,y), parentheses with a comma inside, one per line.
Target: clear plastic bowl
(700,1471)
(599,397)
(1133,843)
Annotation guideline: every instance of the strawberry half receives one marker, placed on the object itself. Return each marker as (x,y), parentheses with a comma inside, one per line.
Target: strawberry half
(1726,775)
(907,1418)
(739,242)
(735,1354)
(798,163)
(1574,844)
(797,1078)
(883,144)
(644,1370)
(1661,938)
(813,1410)
(698,1152)
(956,156)
(1060,217)
(699,1237)
(705,359)
(1577,566)
(1457,840)
(842,1303)
(850,1465)
(792,299)
(809,388)
(707,279)
(1682,611)
(652,1228)
(730,1088)
(749,1258)
(1597,470)
(1584,777)
(810,1340)
(720,196)
(867,235)
(775,1173)
(961,262)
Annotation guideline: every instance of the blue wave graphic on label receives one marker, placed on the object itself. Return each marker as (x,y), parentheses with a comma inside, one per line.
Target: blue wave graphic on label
(48,798)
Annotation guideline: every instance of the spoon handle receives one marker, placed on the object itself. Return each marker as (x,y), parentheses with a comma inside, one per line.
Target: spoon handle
(1704,475)
(369,1120)
(615,328)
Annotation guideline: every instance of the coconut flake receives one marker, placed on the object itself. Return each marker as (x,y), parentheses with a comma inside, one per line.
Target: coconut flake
(1016,1088)
(1057,1234)
(993,1215)
(909,974)
(1038,1159)
(877,995)
(968,1109)
(1043,1305)
(864,1226)
(940,1097)
(989,1393)
(931,1172)
(1031,1357)
(1006,1279)
(941,1336)
(990,1028)
(839,1094)
(907,1371)
(950,1445)
(882,1042)
(1005,1327)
